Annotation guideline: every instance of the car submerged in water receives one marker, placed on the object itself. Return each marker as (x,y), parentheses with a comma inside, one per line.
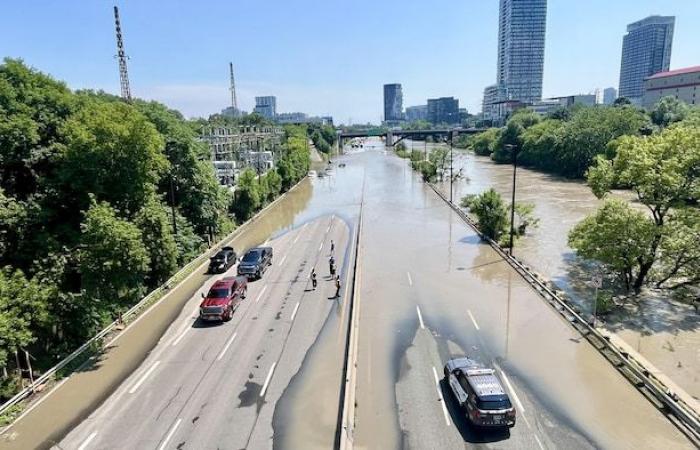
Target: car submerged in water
(479,393)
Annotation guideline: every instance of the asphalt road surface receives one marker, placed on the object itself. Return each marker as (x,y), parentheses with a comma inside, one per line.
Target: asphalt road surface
(216,385)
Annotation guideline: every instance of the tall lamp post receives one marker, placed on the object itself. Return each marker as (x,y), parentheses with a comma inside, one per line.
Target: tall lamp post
(514,152)
(172,202)
(451,174)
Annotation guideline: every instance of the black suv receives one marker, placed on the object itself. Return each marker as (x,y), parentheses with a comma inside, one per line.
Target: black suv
(223,260)
(480,393)
(255,262)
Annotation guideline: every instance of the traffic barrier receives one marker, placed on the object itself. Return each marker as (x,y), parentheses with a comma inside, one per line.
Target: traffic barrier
(687,418)
(119,324)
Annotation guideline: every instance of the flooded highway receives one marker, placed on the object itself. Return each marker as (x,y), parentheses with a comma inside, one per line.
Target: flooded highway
(430,290)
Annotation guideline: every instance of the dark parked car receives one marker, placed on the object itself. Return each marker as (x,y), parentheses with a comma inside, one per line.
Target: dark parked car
(223,299)
(223,260)
(255,262)
(480,393)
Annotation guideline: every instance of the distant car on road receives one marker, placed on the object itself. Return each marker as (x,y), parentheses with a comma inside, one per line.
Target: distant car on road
(223,260)
(255,262)
(480,393)
(223,299)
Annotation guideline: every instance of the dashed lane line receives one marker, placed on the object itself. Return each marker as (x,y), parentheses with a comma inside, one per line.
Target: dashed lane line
(170,435)
(182,335)
(410,280)
(420,317)
(539,442)
(267,380)
(320,247)
(228,344)
(144,377)
(87,441)
(257,299)
(284,258)
(476,325)
(294,313)
(442,400)
(512,391)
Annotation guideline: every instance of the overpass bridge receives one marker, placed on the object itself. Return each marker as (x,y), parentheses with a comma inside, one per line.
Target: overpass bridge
(403,134)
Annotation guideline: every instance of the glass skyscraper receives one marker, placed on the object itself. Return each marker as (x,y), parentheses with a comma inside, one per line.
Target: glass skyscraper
(646,50)
(521,34)
(393,102)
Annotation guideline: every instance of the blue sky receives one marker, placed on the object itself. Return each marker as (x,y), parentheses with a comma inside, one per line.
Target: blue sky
(322,57)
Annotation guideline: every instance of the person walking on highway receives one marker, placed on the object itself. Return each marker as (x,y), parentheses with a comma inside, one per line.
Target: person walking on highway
(337,286)
(332,246)
(313,277)
(331,266)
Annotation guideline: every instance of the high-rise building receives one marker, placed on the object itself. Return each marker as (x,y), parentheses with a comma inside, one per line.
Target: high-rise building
(521,36)
(393,102)
(443,110)
(266,106)
(646,50)
(414,113)
(609,95)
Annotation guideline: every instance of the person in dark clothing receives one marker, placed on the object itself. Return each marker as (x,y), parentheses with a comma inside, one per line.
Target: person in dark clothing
(331,266)
(313,278)
(337,286)
(332,246)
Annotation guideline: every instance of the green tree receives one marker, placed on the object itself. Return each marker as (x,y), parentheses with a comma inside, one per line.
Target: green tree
(274,184)
(511,137)
(669,110)
(247,196)
(539,145)
(484,143)
(491,213)
(114,261)
(619,237)
(157,235)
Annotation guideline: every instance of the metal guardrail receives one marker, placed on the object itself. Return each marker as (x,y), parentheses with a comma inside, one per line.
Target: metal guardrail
(686,415)
(134,310)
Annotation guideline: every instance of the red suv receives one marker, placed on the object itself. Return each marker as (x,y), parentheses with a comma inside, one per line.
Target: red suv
(223,299)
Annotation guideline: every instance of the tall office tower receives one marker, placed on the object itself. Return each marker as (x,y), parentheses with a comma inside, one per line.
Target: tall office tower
(521,34)
(646,50)
(609,95)
(266,106)
(393,102)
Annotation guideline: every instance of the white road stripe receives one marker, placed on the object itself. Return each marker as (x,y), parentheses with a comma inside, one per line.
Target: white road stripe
(143,378)
(228,344)
(179,338)
(512,391)
(410,280)
(284,258)
(476,325)
(539,442)
(170,434)
(320,247)
(420,317)
(87,441)
(267,380)
(294,313)
(296,238)
(257,299)
(442,400)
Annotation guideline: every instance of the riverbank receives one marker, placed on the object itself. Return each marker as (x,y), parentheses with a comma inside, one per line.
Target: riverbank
(663,330)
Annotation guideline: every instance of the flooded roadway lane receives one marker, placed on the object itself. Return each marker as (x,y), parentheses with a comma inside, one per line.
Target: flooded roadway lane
(418,256)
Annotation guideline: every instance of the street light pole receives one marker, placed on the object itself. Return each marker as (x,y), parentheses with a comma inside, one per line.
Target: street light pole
(172,203)
(451,175)
(514,152)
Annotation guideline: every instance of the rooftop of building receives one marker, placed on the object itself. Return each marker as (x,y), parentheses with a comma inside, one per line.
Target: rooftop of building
(670,73)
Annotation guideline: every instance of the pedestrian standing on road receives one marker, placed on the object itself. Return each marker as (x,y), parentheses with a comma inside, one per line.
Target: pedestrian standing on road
(331,266)
(313,278)
(332,246)
(337,286)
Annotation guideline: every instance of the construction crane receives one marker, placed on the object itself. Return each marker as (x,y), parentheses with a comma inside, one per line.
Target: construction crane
(234,101)
(121,55)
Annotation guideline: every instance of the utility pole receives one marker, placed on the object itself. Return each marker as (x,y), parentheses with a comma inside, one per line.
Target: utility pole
(121,55)
(514,152)
(172,203)
(234,100)
(451,175)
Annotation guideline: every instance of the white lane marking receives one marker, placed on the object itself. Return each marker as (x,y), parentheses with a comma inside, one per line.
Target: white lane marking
(257,299)
(170,434)
(476,325)
(539,442)
(179,338)
(284,258)
(420,317)
(228,344)
(512,391)
(267,380)
(294,313)
(328,229)
(320,247)
(410,280)
(143,378)
(87,441)
(442,400)
(296,238)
